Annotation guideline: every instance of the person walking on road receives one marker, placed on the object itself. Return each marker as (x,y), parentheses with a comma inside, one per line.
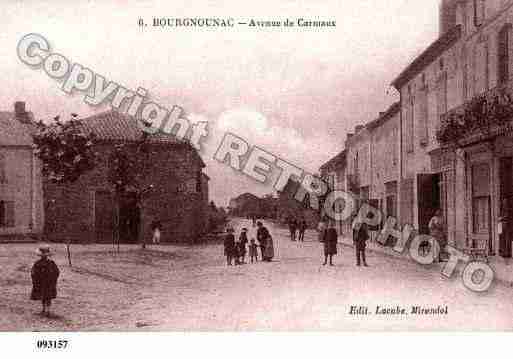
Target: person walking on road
(293,229)
(321,227)
(360,237)
(243,240)
(229,246)
(302,229)
(330,241)
(44,280)
(266,242)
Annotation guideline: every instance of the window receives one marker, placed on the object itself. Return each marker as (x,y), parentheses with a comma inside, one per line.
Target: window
(481,59)
(422,113)
(198,182)
(7,214)
(479,12)
(3,174)
(464,56)
(441,94)
(408,123)
(503,55)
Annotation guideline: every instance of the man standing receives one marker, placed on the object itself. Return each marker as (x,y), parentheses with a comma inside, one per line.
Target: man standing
(302,229)
(436,230)
(293,228)
(360,237)
(266,243)
(330,244)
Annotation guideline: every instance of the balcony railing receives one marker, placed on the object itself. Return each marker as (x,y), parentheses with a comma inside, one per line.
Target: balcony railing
(484,116)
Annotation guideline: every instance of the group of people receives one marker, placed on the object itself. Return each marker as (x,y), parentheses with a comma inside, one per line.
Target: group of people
(329,237)
(236,250)
(297,228)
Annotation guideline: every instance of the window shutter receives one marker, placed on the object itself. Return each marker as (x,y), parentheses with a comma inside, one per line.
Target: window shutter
(9,214)
(503,55)
(422,117)
(481,68)
(3,176)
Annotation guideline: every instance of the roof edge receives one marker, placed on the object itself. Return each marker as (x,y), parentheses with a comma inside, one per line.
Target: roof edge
(428,56)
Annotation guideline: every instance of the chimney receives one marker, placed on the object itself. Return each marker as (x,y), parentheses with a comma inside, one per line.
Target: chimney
(20,112)
(447,15)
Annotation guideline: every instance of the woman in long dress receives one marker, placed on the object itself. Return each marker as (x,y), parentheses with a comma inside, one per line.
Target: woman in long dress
(266,241)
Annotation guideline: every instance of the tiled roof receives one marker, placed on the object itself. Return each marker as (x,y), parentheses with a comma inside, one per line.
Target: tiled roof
(13,132)
(115,126)
(337,161)
(384,116)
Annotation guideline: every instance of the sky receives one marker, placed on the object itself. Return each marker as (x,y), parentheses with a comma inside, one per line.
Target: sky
(295,92)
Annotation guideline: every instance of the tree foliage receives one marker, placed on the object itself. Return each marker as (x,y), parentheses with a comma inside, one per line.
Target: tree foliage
(66,151)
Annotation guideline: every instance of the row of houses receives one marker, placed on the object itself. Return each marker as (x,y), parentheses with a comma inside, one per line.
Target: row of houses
(447,143)
(31,206)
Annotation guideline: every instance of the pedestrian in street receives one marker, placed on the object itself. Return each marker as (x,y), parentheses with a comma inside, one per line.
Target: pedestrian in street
(360,237)
(229,246)
(266,242)
(253,250)
(243,240)
(293,229)
(321,227)
(436,231)
(330,241)
(302,229)
(156,228)
(44,279)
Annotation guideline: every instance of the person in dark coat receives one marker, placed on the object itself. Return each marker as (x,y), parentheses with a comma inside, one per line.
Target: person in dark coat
(293,228)
(302,229)
(360,237)
(229,246)
(44,280)
(266,243)
(330,244)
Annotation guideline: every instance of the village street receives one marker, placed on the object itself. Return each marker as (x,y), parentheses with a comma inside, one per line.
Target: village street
(191,288)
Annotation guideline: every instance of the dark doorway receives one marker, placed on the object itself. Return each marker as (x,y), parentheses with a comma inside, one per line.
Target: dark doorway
(104,216)
(428,190)
(129,219)
(506,208)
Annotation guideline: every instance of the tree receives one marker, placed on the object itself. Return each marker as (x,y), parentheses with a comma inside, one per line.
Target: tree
(66,153)
(128,173)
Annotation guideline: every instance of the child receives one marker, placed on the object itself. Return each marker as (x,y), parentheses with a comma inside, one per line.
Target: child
(253,250)
(229,246)
(44,280)
(156,227)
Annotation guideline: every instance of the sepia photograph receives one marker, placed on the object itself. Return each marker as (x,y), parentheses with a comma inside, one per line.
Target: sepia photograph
(253,167)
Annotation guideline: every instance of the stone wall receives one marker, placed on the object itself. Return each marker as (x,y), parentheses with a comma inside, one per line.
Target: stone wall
(176,200)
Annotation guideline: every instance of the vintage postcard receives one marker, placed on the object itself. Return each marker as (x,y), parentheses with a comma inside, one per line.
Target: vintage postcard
(256,166)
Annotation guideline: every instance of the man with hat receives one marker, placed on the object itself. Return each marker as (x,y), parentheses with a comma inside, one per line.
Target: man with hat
(44,279)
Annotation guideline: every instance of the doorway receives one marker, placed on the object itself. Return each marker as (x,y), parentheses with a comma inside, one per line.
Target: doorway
(129,218)
(429,199)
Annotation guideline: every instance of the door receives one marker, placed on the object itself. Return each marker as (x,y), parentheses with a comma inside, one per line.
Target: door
(428,198)
(506,202)
(104,214)
(481,228)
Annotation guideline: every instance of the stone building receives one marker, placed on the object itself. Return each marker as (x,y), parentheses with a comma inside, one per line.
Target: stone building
(21,193)
(334,175)
(358,167)
(85,212)
(384,134)
(468,173)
